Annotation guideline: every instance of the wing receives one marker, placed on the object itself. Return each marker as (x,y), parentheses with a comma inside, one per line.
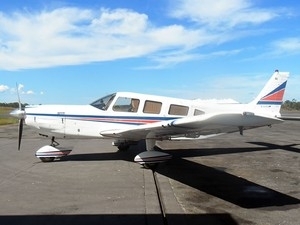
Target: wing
(293,118)
(195,126)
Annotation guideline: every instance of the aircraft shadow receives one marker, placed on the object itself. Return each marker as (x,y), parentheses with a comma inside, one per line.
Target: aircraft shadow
(228,187)
(180,153)
(289,147)
(176,153)
(117,219)
(106,156)
(213,181)
(263,146)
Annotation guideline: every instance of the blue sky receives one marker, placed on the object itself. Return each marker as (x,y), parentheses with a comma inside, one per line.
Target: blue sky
(73,52)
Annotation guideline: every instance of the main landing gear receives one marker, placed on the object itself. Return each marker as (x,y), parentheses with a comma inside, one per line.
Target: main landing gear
(151,158)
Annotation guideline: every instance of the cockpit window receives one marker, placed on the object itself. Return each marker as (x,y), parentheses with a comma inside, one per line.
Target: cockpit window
(103,103)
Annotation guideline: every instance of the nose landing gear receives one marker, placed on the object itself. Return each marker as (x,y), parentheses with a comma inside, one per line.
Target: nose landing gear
(49,153)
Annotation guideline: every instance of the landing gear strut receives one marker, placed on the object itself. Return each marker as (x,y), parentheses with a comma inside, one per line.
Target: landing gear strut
(53,142)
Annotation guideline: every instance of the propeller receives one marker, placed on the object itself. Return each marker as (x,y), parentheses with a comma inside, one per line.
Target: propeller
(20,114)
(21,122)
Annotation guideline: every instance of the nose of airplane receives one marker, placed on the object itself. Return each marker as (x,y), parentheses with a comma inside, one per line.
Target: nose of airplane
(18,113)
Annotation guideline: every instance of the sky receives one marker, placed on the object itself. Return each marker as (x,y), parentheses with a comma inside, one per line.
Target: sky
(74,52)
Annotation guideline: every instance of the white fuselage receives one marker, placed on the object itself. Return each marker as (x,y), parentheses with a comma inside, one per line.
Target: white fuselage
(91,121)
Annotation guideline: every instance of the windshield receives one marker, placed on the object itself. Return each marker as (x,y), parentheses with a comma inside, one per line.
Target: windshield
(103,103)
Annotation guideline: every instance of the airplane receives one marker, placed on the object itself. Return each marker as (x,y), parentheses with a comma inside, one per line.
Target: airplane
(127,118)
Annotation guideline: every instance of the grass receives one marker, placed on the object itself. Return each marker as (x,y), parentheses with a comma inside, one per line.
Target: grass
(5,118)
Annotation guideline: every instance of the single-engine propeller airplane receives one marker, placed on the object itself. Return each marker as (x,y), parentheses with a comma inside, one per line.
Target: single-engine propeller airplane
(130,117)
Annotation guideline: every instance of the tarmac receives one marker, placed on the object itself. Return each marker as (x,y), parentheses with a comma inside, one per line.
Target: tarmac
(229,179)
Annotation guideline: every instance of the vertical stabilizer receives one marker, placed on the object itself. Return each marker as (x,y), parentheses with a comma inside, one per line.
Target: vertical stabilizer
(270,98)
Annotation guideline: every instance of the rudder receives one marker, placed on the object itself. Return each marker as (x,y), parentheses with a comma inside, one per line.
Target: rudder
(270,98)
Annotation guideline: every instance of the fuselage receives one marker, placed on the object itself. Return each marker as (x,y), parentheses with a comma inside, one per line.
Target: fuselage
(122,110)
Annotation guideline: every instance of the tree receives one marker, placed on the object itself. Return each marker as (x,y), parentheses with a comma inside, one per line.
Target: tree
(291,105)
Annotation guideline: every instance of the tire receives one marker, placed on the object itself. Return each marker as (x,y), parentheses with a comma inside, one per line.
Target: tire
(123,147)
(151,166)
(47,159)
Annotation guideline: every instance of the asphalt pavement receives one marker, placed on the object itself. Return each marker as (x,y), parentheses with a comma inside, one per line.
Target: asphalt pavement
(229,179)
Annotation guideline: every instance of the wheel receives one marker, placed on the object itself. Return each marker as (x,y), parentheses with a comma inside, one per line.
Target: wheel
(151,166)
(47,159)
(123,147)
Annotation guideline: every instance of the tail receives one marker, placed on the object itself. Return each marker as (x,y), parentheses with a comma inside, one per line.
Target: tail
(270,98)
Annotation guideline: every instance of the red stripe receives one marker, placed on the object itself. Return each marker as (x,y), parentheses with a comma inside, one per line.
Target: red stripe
(54,153)
(277,96)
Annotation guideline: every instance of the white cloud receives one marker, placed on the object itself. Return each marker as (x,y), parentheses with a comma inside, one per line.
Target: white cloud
(3,88)
(221,14)
(279,48)
(70,36)
(120,22)
(175,57)
(20,88)
(286,46)
(30,92)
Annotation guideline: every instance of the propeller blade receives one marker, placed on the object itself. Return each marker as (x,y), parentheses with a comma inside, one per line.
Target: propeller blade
(21,122)
(21,115)
(19,101)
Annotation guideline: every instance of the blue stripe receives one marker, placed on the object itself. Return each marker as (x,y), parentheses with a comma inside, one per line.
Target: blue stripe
(108,117)
(269,103)
(279,88)
(105,119)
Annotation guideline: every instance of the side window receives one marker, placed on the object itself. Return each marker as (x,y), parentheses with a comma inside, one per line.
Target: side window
(152,107)
(178,110)
(198,112)
(126,104)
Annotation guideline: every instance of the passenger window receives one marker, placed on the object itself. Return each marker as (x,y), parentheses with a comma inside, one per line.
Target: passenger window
(126,104)
(179,110)
(198,112)
(152,107)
